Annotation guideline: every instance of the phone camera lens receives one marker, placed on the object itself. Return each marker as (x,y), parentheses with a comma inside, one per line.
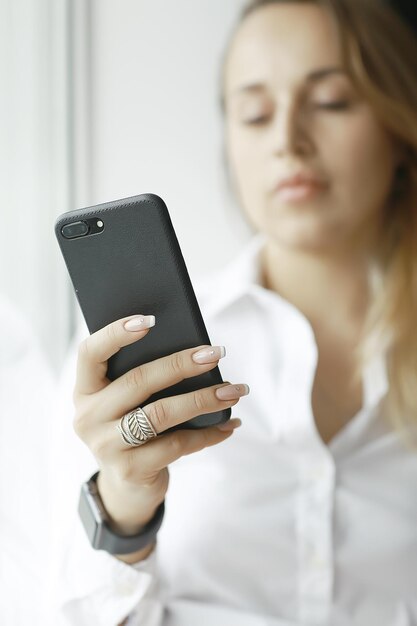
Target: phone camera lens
(76,229)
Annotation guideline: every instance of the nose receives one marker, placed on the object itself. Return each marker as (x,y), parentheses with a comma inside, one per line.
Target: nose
(290,134)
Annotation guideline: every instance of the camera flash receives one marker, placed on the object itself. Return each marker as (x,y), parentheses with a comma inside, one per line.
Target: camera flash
(99,223)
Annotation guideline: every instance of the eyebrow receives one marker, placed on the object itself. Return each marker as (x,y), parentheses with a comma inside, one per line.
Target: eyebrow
(312,77)
(324,72)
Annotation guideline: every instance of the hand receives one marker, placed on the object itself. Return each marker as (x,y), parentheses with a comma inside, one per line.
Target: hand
(133,480)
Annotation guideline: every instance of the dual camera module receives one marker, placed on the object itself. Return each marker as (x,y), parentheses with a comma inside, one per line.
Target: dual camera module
(74,230)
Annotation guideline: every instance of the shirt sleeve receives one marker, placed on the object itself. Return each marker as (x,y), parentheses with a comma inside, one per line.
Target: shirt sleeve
(88,586)
(97,588)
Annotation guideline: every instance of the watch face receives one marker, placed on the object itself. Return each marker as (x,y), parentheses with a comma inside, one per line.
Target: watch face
(89,514)
(94,500)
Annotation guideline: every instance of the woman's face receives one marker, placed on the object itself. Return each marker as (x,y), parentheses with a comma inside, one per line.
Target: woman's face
(291,109)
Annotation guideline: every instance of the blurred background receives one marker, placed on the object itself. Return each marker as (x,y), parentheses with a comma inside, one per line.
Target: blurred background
(104,99)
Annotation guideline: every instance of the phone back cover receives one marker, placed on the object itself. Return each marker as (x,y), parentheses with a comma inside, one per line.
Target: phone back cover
(135,266)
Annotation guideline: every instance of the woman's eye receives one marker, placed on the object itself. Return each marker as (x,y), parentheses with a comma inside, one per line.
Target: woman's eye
(255,121)
(333,106)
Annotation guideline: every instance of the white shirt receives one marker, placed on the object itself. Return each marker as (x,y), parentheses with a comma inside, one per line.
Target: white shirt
(25,404)
(271,527)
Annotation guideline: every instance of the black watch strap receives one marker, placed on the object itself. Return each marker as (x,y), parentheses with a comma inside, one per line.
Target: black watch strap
(96,523)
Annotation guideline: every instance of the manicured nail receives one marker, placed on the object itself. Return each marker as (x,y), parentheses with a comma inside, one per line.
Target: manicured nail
(140,322)
(232,392)
(209,355)
(230,425)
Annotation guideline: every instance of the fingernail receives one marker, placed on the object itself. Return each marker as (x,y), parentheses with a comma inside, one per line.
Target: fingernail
(230,425)
(232,392)
(140,322)
(209,355)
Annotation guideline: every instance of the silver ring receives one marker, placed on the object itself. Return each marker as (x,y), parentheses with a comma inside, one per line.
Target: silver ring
(135,428)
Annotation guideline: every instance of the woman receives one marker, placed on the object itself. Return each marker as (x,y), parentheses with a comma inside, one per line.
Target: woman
(306,515)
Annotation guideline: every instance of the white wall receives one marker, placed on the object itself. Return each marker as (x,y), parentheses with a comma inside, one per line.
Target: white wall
(104,99)
(34,163)
(155,116)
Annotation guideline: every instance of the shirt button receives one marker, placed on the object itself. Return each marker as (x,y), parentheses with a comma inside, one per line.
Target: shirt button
(319,472)
(317,559)
(125,589)
(319,562)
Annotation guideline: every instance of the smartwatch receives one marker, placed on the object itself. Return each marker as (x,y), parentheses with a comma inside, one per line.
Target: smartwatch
(96,522)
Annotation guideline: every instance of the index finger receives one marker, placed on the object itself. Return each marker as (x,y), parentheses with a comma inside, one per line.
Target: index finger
(95,351)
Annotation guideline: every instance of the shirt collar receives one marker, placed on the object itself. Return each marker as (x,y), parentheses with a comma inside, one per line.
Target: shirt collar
(242,277)
(237,279)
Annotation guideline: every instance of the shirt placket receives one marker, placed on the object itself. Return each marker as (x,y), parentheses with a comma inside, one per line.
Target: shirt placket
(315,495)
(314,531)
(314,501)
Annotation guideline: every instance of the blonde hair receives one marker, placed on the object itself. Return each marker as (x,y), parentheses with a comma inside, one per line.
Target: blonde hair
(379,51)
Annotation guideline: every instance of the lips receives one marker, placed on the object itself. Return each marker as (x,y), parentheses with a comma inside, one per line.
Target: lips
(299,187)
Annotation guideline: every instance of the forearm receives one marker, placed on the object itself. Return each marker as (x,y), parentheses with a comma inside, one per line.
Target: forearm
(126,522)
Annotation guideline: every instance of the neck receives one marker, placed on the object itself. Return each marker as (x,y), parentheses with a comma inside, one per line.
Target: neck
(331,290)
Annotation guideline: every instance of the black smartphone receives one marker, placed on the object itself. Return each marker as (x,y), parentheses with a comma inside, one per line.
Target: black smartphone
(124,258)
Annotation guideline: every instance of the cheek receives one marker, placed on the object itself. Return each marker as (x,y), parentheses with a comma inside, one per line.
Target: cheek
(242,154)
(246,166)
(363,164)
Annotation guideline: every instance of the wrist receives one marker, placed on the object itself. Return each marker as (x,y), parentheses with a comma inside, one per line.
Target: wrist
(101,532)
(129,509)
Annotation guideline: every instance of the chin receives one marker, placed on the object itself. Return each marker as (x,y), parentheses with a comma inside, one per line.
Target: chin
(308,239)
